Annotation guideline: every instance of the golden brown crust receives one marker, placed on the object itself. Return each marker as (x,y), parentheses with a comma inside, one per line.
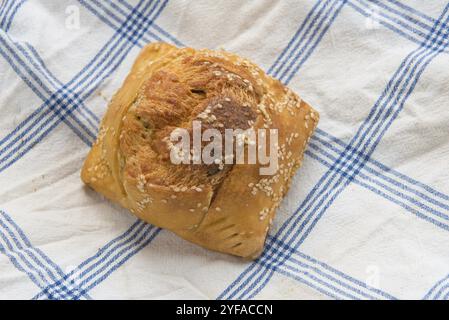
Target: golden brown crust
(227,208)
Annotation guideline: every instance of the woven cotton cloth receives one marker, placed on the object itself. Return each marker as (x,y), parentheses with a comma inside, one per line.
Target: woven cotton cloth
(367,215)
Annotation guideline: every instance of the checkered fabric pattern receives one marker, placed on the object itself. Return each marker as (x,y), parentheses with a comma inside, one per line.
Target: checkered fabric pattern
(367,216)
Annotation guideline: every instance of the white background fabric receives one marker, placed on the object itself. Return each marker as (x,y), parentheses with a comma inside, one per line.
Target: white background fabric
(384,236)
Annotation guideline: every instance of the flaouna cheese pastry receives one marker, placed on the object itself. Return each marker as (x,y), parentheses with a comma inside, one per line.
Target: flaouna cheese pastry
(226,204)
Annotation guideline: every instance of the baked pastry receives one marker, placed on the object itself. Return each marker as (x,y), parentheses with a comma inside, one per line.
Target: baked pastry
(220,206)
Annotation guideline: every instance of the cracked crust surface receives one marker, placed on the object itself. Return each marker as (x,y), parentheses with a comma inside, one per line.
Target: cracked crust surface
(227,208)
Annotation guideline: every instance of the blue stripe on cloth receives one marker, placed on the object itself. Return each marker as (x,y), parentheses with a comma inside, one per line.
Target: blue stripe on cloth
(121,12)
(85,82)
(136,30)
(28,259)
(404,21)
(410,65)
(395,11)
(91,76)
(411,10)
(18,261)
(303,31)
(97,268)
(306,266)
(313,15)
(10,50)
(163,34)
(298,38)
(386,192)
(408,29)
(36,84)
(303,53)
(385,169)
(5,8)
(311,219)
(405,15)
(404,193)
(17,5)
(411,24)
(112,15)
(125,4)
(386,14)
(319,276)
(121,257)
(296,229)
